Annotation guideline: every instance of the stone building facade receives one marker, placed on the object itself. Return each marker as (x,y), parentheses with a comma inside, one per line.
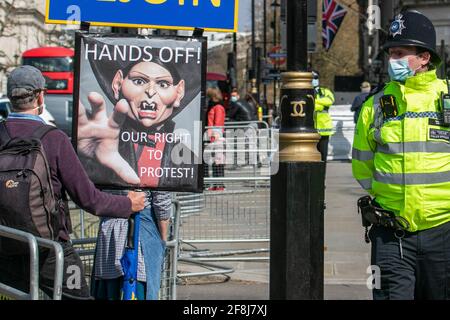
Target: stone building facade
(344,56)
(22,27)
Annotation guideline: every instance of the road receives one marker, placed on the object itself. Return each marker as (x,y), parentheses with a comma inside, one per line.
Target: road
(347,256)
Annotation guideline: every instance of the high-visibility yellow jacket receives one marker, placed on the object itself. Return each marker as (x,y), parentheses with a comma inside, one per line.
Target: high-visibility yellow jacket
(404,161)
(322,119)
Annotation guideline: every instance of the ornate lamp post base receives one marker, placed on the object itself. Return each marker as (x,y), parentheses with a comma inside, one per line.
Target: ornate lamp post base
(297,189)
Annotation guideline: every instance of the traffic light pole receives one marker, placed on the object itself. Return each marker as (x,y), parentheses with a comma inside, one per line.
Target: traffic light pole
(297,189)
(265,54)
(274,45)
(254,90)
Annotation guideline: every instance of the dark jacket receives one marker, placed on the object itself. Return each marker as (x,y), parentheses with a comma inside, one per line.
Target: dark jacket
(241,110)
(68,174)
(357,104)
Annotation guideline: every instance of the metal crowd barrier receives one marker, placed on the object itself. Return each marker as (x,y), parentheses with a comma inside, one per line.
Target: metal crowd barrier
(86,249)
(244,145)
(225,225)
(240,213)
(240,123)
(168,290)
(34,243)
(230,224)
(236,216)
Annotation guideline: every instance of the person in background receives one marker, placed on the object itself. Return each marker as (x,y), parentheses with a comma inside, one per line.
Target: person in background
(216,122)
(257,108)
(108,274)
(322,119)
(240,109)
(359,100)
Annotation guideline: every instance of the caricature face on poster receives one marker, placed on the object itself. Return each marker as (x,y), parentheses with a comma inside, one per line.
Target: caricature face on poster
(138,104)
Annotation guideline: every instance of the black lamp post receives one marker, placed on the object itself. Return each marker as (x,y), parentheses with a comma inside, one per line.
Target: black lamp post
(265,55)
(254,89)
(274,6)
(297,189)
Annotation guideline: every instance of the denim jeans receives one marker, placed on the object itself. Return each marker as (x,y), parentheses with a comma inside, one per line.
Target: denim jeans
(153,249)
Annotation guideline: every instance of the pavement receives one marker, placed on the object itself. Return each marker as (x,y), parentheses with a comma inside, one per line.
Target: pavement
(346,255)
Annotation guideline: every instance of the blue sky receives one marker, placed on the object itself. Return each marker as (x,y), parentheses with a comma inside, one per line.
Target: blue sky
(245,16)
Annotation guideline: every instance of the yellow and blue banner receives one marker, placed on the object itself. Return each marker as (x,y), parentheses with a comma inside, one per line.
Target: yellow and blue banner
(211,15)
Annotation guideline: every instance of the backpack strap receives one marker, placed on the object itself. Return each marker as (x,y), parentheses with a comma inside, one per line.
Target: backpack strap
(40,132)
(4,135)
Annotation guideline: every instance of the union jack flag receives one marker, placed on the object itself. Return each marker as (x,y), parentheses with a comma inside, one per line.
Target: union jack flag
(332,16)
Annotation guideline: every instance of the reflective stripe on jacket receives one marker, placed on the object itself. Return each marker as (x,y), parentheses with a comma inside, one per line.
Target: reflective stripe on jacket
(404,161)
(322,119)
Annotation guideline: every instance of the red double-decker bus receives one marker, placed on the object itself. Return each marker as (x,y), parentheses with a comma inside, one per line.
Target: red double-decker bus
(56,65)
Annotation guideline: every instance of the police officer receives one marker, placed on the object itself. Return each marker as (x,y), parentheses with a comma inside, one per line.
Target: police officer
(322,119)
(401,156)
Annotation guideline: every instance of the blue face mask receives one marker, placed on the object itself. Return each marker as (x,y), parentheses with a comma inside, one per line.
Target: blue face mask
(399,69)
(315,82)
(234,99)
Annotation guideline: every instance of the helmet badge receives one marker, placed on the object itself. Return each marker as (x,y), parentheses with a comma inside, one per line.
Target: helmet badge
(397,26)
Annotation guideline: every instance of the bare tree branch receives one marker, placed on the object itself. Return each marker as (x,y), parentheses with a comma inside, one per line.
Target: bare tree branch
(8,23)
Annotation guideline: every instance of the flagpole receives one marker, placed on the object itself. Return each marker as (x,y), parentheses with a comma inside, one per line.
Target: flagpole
(297,188)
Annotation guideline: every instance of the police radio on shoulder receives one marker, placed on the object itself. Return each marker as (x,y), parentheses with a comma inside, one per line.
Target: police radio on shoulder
(389,106)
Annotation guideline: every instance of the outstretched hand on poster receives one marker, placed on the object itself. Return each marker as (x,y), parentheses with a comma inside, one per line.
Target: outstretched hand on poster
(98,136)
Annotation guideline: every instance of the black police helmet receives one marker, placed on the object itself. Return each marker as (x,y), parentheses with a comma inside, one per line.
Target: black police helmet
(412,28)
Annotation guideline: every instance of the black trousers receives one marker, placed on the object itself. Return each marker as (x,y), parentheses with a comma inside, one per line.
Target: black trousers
(218,170)
(15,272)
(322,146)
(424,271)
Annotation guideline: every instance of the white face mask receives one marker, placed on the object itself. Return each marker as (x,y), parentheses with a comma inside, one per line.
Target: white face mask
(234,99)
(315,83)
(399,69)
(40,109)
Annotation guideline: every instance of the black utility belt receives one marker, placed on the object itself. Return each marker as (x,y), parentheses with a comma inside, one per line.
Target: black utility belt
(373,214)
